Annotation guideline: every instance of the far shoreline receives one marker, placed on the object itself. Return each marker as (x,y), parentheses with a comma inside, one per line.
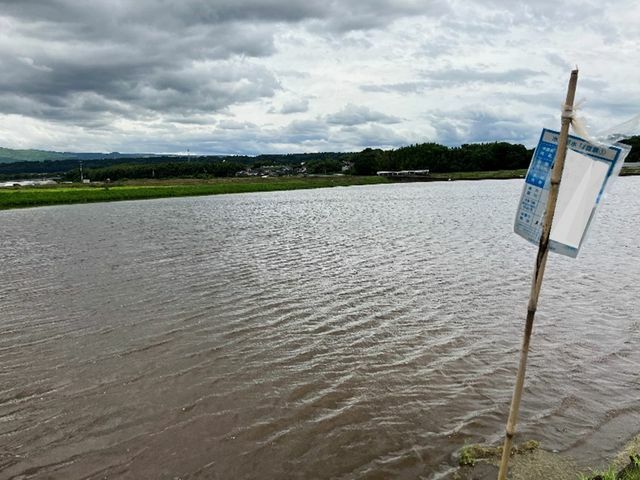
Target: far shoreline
(144,189)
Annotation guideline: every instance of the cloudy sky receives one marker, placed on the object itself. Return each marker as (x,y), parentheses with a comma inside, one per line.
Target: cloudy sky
(266,76)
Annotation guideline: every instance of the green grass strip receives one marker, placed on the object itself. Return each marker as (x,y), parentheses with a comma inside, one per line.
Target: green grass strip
(21,197)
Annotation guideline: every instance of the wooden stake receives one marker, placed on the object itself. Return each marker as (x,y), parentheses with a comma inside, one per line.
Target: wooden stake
(541,262)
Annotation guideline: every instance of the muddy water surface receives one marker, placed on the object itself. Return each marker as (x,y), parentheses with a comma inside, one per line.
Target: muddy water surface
(362,332)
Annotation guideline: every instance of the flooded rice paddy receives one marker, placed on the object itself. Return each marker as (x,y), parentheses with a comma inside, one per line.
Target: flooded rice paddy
(362,332)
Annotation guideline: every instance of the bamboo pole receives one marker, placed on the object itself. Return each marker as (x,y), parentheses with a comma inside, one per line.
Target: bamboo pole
(541,262)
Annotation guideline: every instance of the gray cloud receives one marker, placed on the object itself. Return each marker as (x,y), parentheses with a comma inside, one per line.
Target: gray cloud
(306,135)
(438,45)
(464,76)
(202,74)
(495,16)
(372,136)
(456,77)
(299,105)
(71,92)
(301,131)
(168,14)
(233,136)
(123,60)
(400,87)
(153,57)
(477,125)
(232,124)
(558,61)
(625,106)
(357,115)
(341,16)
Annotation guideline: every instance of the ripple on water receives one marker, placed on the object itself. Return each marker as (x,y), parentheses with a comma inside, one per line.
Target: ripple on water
(342,333)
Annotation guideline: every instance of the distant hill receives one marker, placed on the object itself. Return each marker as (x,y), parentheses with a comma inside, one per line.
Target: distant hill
(8,155)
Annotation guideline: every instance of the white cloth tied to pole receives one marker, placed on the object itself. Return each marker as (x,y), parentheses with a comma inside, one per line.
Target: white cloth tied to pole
(577,123)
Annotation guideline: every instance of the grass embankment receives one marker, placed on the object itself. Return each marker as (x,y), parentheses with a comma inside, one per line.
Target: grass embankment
(630,472)
(530,462)
(626,171)
(20,197)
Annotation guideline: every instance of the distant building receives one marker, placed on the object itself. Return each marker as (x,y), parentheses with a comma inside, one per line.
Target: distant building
(402,174)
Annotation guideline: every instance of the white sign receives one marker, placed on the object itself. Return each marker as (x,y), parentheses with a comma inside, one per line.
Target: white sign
(588,168)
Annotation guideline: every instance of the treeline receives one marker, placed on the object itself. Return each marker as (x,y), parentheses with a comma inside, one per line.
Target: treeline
(436,158)
(439,158)
(432,156)
(290,158)
(63,166)
(57,167)
(161,170)
(465,158)
(634,154)
(193,169)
